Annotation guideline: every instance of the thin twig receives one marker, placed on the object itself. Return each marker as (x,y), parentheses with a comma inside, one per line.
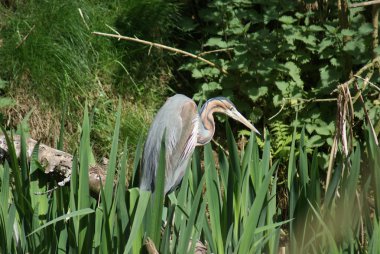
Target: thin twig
(157,45)
(215,51)
(369,82)
(317,100)
(362,4)
(282,107)
(374,63)
(366,114)
(284,101)
(25,37)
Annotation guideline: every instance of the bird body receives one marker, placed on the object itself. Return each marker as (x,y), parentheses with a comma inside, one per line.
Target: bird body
(185,129)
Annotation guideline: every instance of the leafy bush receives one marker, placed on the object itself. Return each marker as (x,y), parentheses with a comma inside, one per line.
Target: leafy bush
(281,57)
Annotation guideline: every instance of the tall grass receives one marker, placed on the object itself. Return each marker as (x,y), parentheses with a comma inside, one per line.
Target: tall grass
(231,208)
(50,58)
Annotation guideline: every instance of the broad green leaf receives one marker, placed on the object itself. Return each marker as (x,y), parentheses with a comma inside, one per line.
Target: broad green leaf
(329,237)
(186,234)
(324,44)
(331,29)
(157,198)
(211,87)
(106,242)
(291,164)
(287,20)
(257,92)
(18,199)
(294,72)
(136,160)
(355,46)
(84,194)
(65,217)
(323,130)
(303,163)
(283,86)
(4,188)
(314,191)
(196,74)
(218,42)
(365,29)
(335,62)
(212,194)
(377,50)
(315,28)
(348,32)
(245,242)
(374,152)
(122,212)
(137,220)
(111,168)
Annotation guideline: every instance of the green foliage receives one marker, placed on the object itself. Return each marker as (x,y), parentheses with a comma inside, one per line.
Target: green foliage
(280,57)
(5,101)
(238,213)
(157,201)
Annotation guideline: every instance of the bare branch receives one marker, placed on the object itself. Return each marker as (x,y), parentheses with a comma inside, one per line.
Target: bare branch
(374,63)
(301,100)
(215,51)
(366,114)
(282,107)
(157,45)
(363,4)
(369,82)
(56,161)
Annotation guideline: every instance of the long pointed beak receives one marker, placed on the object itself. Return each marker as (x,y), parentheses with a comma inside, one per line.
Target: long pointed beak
(239,117)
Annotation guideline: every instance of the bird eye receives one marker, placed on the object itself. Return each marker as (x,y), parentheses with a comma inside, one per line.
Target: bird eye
(231,108)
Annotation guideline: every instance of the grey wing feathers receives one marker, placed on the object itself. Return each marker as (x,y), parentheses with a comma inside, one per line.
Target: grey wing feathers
(180,119)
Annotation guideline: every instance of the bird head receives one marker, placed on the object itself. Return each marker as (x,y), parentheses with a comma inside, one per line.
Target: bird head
(225,106)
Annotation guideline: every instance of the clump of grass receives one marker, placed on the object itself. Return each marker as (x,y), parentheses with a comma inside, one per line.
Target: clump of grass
(55,57)
(238,212)
(49,53)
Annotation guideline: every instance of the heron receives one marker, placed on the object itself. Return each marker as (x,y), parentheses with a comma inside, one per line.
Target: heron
(185,128)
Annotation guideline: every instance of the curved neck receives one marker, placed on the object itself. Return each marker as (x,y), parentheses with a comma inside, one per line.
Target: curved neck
(206,127)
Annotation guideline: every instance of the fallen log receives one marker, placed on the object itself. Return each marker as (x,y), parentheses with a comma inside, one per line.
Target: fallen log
(56,162)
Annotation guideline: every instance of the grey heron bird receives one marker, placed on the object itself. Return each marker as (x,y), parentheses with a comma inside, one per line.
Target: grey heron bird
(186,128)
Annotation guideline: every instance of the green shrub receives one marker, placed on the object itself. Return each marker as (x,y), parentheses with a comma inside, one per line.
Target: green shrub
(283,58)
